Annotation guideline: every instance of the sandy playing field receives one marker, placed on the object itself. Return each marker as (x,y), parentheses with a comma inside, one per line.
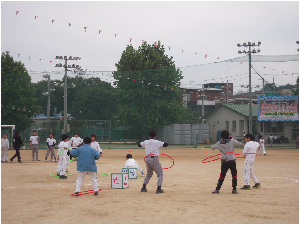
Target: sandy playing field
(31,195)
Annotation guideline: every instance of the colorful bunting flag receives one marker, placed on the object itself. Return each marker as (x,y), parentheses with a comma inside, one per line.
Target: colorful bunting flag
(100,31)
(205,55)
(17,12)
(53,20)
(130,39)
(85,29)
(35,17)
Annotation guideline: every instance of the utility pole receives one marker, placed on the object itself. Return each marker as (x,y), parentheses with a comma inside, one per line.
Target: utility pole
(250,94)
(203,100)
(47,76)
(66,66)
(227,93)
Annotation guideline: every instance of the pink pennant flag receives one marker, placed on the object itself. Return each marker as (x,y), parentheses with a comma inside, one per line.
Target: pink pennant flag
(264,67)
(40,60)
(205,55)
(17,12)
(241,62)
(130,39)
(35,17)
(218,58)
(155,44)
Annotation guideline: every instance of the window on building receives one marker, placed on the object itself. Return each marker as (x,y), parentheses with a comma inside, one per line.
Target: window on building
(226,125)
(233,124)
(273,127)
(268,127)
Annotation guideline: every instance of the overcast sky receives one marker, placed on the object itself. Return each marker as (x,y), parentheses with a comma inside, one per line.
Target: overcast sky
(191,29)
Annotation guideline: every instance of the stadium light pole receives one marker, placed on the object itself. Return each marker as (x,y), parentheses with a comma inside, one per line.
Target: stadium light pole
(66,66)
(249,52)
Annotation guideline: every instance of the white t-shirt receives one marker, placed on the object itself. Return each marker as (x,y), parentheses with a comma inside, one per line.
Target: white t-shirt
(262,142)
(4,143)
(251,147)
(131,163)
(75,141)
(51,141)
(152,146)
(34,140)
(96,146)
(61,148)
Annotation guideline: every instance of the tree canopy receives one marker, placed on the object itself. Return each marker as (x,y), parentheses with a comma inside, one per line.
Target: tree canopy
(88,99)
(147,89)
(18,94)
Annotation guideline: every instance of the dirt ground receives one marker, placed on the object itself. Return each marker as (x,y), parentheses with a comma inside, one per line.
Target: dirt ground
(30,195)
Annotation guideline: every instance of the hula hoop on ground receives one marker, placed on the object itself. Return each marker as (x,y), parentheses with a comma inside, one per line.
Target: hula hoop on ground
(87,192)
(52,175)
(161,154)
(204,160)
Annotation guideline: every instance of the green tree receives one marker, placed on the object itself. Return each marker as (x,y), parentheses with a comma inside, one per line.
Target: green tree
(18,94)
(92,99)
(147,89)
(88,99)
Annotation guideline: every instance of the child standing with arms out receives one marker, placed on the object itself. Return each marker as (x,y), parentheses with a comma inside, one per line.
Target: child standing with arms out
(95,144)
(86,164)
(63,158)
(131,163)
(50,147)
(250,152)
(152,163)
(262,145)
(4,148)
(34,145)
(228,159)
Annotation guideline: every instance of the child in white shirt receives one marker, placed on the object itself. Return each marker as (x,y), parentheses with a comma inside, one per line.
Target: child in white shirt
(131,163)
(95,144)
(262,145)
(250,153)
(63,158)
(4,148)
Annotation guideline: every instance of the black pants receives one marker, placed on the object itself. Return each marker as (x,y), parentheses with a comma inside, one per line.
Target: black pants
(17,155)
(224,168)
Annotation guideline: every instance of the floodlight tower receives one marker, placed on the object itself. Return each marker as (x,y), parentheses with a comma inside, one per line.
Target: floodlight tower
(65,83)
(250,95)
